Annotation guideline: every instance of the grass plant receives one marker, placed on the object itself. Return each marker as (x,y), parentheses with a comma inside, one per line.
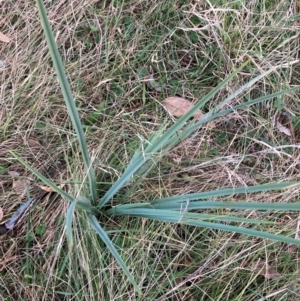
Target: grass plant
(137,182)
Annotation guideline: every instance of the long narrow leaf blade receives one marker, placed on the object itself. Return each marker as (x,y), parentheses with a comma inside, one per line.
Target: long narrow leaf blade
(70,103)
(82,205)
(226,192)
(182,216)
(194,205)
(177,218)
(250,232)
(95,225)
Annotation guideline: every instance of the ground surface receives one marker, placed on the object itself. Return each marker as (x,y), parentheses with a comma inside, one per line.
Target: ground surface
(109,48)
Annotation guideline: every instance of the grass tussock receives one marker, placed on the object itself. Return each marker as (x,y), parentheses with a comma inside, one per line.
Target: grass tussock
(108,48)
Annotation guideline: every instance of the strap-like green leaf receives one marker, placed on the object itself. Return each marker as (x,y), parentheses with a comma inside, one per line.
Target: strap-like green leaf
(70,103)
(177,217)
(182,216)
(246,231)
(196,205)
(226,192)
(100,231)
(193,205)
(83,205)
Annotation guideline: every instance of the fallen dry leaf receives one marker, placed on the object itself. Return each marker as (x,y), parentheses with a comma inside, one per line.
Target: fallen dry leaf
(283,129)
(263,268)
(46,188)
(179,106)
(4,38)
(1,214)
(20,186)
(49,189)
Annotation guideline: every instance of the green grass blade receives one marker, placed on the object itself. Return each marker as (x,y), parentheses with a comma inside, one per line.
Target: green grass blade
(182,216)
(83,205)
(194,205)
(226,192)
(250,232)
(176,217)
(159,142)
(100,231)
(69,218)
(70,103)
